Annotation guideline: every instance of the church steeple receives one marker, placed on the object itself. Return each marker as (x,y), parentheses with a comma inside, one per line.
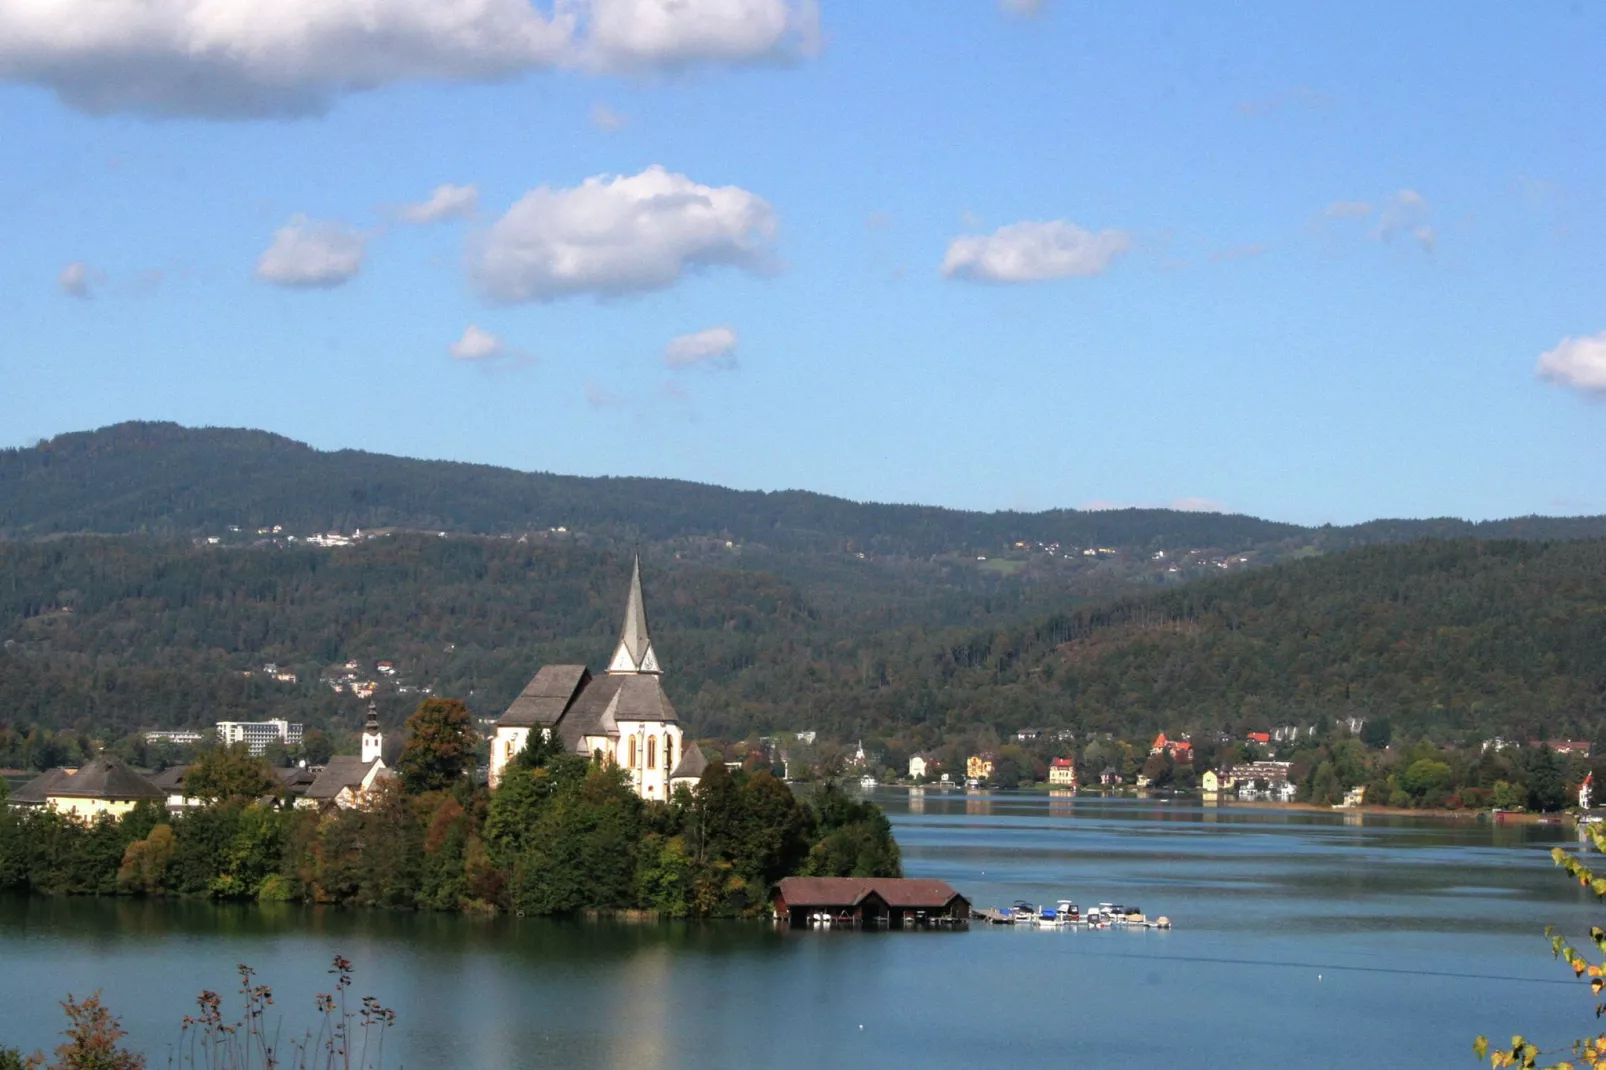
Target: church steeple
(634,653)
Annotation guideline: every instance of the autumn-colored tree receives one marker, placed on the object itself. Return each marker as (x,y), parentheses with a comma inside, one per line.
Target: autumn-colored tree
(92,1039)
(440,746)
(223,773)
(1588,1051)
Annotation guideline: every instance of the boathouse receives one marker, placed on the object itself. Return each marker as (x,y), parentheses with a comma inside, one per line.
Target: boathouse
(869,902)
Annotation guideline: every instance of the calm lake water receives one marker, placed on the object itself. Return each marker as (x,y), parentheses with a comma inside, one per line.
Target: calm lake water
(1301,939)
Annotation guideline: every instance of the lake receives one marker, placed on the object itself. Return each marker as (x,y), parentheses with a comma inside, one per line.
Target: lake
(1309,939)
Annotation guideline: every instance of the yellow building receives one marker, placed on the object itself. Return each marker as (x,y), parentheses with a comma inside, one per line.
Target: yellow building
(979,767)
(104,786)
(1210,782)
(1062,773)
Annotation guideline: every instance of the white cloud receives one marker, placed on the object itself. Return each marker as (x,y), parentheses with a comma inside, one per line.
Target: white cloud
(711,348)
(1032,251)
(229,59)
(1197,505)
(614,235)
(1347,210)
(660,34)
(74,280)
(310,254)
(1406,212)
(1577,363)
(476,345)
(605,118)
(446,202)
(225,59)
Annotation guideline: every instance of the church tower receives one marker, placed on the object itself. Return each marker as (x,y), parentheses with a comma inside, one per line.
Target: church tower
(634,653)
(372,742)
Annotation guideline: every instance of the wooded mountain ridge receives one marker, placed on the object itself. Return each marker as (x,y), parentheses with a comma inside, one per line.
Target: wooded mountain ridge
(162,478)
(1459,639)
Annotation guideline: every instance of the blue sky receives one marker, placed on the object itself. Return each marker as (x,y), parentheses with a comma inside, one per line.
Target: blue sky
(1322,264)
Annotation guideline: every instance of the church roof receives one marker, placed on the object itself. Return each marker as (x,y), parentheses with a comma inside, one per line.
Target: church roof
(339,773)
(634,653)
(545,697)
(691,764)
(604,701)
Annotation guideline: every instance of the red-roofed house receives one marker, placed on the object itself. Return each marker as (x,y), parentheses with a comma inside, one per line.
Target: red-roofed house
(1062,773)
(1263,738)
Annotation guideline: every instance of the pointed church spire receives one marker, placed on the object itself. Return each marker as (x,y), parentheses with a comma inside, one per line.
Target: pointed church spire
(634,653)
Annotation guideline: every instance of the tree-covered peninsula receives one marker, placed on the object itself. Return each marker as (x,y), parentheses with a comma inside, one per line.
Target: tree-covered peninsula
(561,835)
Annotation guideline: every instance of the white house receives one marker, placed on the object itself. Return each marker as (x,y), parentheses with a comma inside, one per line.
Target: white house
(917,767)
(622,714)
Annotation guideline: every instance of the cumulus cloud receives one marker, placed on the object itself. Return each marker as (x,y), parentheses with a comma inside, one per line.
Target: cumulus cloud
(614,235)
(658,34)
(1032,251)
(446,202)
(200,57)
(74,280)
(476,345)
(296,57)
(711,348)
(605,118)
(1577,363)
(309,254)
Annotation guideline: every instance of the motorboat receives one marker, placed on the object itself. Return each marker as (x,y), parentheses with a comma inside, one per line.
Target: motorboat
(1068,914)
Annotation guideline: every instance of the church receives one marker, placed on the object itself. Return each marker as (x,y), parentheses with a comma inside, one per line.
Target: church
(622,714)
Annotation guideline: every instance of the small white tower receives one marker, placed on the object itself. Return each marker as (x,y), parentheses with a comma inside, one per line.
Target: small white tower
(372,742)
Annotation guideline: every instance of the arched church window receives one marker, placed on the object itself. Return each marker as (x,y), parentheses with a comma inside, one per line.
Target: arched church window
(632,752)
(669,752)
(652,752)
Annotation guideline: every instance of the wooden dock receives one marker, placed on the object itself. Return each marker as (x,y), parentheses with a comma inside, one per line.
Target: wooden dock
(993,916)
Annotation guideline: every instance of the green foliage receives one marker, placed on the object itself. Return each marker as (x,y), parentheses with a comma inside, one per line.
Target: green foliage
(440,746)
(222,773)
(1587,1051)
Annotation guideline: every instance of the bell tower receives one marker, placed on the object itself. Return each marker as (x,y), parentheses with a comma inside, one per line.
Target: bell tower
(373,743)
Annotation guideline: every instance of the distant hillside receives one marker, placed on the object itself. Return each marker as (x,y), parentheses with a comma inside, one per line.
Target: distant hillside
(1458,638)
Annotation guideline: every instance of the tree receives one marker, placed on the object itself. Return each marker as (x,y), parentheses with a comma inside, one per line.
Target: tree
(92,1035)
(316,748)
(1547,789)
(440,746)
(223,773)
(1587,1051)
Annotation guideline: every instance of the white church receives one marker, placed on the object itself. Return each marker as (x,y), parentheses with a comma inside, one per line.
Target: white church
(622,714)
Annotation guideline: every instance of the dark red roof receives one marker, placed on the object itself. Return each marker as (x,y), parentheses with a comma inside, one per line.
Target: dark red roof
(901,892)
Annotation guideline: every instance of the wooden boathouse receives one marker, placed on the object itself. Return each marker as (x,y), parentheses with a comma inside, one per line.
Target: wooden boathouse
(869,902)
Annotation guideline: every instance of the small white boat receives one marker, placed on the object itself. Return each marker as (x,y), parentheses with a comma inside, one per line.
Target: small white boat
(867,781)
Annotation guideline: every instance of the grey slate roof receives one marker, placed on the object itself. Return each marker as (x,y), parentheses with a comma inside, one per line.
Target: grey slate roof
(545,697)
(104,778)
(342,771)
(33,792)
(171,779)
(633,636)
(691,764)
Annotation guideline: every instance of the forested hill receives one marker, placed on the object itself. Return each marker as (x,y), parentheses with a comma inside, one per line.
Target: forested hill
(1461,639)
(165,479)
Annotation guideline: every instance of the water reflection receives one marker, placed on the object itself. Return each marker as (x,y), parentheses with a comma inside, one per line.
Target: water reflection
(1265,901)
